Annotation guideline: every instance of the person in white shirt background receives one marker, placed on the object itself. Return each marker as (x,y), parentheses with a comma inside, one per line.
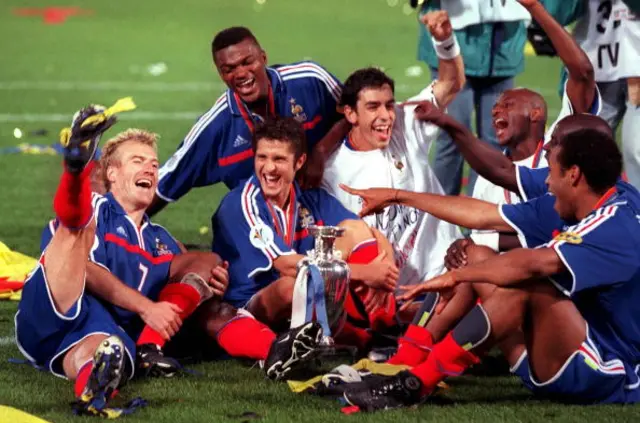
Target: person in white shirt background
(388,147)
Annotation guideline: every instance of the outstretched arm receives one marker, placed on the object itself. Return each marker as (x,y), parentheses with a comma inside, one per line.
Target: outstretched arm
(507,269)
(486,160)
(462,211)
(512,267)
(581,86)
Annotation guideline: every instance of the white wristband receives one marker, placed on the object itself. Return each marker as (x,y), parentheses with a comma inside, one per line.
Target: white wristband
(448,49)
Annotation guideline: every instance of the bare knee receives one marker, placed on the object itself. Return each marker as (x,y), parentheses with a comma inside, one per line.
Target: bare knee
(356,229)
(478,253)
(199,262)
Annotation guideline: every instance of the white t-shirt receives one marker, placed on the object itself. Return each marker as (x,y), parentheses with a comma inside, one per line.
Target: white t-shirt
(609,34)
(419,240)
(485,190)
(470,12)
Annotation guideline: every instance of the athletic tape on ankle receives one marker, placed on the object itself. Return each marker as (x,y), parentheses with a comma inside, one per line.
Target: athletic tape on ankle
(423,315)
(473,329)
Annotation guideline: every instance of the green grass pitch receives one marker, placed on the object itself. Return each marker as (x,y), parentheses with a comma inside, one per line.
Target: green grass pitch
(108,50)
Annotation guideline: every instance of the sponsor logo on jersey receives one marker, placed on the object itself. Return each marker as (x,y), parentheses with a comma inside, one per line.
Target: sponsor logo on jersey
(121,231)
(240,141)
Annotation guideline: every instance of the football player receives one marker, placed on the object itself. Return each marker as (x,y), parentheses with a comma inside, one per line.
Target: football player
(218,147)
(562,313)
(261,229)
(84,328)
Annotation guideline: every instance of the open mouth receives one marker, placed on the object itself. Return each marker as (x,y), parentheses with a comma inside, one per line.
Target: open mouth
(382,131)
(271,181)
(500,126)
(246,86)
(500,123)
(144,183)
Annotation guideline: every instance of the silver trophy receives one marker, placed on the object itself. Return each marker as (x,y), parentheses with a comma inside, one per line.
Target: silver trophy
(334,273)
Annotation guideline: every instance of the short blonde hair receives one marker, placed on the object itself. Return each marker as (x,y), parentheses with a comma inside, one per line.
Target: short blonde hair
(110,149)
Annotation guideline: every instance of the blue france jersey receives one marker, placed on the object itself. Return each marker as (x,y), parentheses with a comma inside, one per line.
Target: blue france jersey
(140,258)
(602,257)
(218,146)
(251,233)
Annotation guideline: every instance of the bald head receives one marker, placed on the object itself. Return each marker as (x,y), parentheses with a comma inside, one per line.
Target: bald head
(519,115)
(532,98)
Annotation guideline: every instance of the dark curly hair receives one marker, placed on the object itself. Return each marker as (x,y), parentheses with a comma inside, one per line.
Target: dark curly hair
(361,79)
(283,129)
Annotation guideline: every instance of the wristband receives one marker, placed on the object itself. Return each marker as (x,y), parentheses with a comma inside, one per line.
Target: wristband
(448,49)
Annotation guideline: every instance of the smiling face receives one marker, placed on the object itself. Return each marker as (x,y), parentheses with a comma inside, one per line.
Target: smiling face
(242,67)
(515,114)
(133,175)
(373,115)
(276,166)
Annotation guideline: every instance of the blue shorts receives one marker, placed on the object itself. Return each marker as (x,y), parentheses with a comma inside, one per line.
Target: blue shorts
(585,378)
(44,334)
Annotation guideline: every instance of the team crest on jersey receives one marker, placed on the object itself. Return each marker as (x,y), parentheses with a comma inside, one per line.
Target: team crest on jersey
(260,236)
(305,218)
(297,111)
(397,163)
(570,237)
(161,248)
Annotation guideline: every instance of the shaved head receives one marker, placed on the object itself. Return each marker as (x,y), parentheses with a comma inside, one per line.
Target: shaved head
(519,114)
(534,99)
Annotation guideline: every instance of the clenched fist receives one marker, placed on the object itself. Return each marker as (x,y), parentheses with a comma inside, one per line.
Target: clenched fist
(438,24)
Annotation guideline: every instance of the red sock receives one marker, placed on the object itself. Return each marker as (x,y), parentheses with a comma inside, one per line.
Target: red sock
(72,202)
(353,335)
(364,252)
(413,347)
(447,358)
(184,296)
(82,378)
(246,337)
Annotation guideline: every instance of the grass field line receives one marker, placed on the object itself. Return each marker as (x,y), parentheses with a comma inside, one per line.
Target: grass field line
(158,86)
(7,341)
(65,117)
(133,116)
